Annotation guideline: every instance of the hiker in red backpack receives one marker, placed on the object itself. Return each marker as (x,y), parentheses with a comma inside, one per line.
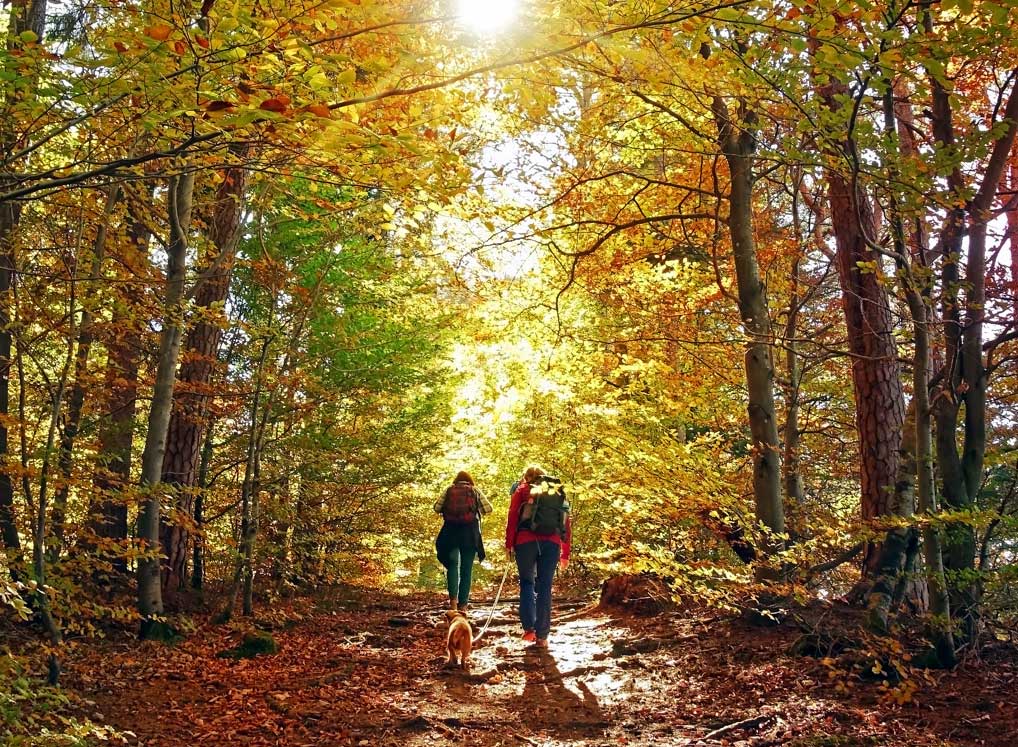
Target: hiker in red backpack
(538,534)
(459,541)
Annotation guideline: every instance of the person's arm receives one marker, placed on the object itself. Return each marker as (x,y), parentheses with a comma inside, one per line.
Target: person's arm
(440,503)
(514,517)
(483,504)
(567,541)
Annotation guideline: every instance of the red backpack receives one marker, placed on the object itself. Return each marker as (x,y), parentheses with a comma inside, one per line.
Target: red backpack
(460,504)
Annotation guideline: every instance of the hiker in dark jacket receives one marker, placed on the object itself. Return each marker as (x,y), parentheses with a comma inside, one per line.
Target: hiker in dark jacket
(459,541)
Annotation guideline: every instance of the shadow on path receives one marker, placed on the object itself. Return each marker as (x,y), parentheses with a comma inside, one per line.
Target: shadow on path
(548,706)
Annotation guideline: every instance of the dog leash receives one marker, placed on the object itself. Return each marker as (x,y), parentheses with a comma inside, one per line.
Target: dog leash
(491,614)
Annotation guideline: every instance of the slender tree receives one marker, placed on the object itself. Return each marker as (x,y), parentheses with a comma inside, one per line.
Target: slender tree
(25,18)
(108,512)
(737,141)
(179,198)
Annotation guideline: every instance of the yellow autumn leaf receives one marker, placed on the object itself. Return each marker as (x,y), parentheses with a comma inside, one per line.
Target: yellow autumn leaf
(159,32)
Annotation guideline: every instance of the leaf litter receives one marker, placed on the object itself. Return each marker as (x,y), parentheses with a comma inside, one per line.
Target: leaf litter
(366,668)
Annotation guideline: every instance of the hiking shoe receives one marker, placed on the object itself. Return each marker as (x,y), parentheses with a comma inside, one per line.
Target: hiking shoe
(463,608)
(540,642)
(529,636)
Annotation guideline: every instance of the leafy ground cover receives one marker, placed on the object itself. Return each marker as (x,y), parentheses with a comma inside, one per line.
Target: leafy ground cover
(365,668)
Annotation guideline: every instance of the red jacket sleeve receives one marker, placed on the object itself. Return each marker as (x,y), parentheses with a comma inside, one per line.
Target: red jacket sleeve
(567,541)
(513,519)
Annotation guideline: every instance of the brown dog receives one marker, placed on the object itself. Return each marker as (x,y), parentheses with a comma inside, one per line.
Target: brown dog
(459,640)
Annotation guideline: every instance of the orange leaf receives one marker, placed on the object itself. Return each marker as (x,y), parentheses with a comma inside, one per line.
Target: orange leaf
(159,32)
(320,110)
(179,47)
(120,47)
(202,42)
(218,105)
(273,105)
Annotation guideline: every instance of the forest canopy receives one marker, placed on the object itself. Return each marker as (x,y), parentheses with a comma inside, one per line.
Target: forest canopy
(744,275)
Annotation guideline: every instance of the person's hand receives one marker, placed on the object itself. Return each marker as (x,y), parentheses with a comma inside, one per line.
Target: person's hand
(563,563)
(509,553)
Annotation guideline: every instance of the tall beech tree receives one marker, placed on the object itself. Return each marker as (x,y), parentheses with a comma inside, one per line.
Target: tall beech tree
(736,139)
(201,350)
(180,194)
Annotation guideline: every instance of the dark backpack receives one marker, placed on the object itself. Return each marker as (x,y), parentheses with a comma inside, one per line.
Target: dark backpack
(460,504)
(545,513)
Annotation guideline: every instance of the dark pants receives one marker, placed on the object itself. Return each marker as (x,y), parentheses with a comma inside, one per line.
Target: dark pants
(459,572)
(457,547)
(536,562)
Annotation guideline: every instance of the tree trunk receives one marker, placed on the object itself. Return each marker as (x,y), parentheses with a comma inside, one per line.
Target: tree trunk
(150,602)
(108,512)
(242,570)
(252,525)
(76,395)
(279,531)
(964,381)
(39,562)
(191,401)
(39,530)
(876,374)
(1012,230)
(243,573)
(25,16)
(973,368)
(8,518)
(737,144)
(198,563)
(920,434)
(793,469)
(107,509)
(940,604)
(886,578)
(947,401)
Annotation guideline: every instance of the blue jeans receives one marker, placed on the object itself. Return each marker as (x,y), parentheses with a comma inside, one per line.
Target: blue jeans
(536,562)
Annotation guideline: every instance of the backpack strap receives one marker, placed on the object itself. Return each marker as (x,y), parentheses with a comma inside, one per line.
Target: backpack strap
(523,505)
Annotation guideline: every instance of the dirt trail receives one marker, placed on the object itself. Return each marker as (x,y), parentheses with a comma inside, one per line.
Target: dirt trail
(368,671)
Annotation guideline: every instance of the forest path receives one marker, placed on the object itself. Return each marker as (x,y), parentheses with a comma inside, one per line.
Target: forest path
(365,668)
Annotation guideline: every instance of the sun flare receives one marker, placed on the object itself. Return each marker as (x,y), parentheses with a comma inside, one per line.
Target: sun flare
(487,16)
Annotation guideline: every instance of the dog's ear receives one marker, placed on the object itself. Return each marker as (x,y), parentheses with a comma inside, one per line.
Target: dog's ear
(451,615)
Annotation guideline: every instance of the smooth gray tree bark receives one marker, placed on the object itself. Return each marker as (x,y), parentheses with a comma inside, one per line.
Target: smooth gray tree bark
(150,601)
